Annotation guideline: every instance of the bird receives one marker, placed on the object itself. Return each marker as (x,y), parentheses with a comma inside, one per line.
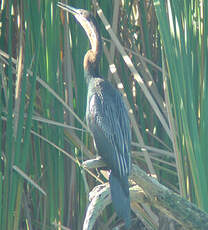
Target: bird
(107,117)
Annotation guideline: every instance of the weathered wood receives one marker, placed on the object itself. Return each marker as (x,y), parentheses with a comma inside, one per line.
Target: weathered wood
(171,204)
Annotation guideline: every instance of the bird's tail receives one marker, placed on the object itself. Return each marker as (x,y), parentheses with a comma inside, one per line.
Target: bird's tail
(119,187)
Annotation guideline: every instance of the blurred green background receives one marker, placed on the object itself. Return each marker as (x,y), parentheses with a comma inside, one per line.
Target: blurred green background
(43,136)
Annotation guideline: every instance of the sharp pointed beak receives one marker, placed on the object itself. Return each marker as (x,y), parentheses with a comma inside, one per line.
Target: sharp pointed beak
(67,8)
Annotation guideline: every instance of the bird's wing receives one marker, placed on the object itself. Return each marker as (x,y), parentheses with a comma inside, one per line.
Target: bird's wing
(110,126)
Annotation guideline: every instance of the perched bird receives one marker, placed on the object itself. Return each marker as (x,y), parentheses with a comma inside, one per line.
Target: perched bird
(106,117)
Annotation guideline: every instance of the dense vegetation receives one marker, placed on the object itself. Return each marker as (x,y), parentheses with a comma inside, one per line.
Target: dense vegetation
(157,57)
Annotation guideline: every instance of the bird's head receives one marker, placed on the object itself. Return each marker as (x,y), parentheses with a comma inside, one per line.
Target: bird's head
(88,22)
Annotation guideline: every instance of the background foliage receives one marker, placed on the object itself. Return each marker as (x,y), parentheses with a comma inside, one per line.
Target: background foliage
(156,56)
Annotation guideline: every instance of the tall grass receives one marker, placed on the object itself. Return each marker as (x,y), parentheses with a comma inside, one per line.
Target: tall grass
(43,136)
(183,27)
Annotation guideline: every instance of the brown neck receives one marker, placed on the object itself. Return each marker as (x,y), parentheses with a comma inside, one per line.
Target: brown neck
(91,65)
(93,56)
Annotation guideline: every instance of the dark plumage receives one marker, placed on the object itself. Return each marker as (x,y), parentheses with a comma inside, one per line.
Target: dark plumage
(107,118)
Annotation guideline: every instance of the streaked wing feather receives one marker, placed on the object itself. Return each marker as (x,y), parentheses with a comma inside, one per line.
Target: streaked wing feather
(111,118)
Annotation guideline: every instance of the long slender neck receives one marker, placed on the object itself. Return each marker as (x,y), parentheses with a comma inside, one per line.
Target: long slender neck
(93,56)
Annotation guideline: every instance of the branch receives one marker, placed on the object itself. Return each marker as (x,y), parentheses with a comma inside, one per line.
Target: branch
(150,191)
(100,197)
